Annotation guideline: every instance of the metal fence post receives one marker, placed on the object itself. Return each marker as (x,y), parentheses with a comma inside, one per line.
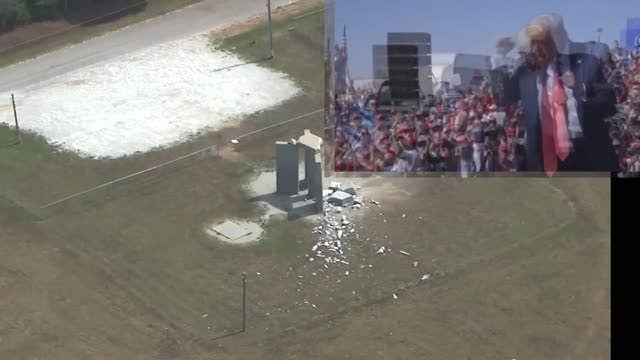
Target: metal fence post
(270,30)
(15,116)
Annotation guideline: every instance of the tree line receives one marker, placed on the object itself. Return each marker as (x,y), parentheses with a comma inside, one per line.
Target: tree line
(16,13)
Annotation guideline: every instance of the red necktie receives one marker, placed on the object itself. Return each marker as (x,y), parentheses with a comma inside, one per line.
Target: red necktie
(555,136)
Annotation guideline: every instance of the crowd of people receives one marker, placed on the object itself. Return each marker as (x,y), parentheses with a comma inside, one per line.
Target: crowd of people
(623,71)
(466,134)
(466,131)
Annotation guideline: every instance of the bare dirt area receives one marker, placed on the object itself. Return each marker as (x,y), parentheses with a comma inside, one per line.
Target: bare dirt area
(31,32)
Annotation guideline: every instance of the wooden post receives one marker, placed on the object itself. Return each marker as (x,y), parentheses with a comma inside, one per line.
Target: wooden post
(244,302)
(270,30)
(15,117)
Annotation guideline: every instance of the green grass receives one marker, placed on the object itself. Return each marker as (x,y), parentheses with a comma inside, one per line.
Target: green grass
(79,34)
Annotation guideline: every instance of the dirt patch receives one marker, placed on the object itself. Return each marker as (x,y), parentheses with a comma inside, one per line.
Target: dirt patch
(297,8)
(168,347)
(228,153)
(31,32)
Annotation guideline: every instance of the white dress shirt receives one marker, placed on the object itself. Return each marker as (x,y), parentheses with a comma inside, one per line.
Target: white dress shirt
(573,122)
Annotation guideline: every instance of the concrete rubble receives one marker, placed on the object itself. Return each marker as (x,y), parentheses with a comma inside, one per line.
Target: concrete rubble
(335,235)
(336,228)
(340,198)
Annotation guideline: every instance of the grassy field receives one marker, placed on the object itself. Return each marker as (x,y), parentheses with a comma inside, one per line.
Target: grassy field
(74,35)
(519,266)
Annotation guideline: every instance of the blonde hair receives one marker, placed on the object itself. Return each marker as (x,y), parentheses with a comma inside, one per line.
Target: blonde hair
(537,32)
(554,23)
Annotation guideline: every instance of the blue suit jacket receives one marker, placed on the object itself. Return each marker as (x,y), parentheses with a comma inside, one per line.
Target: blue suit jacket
(595,102)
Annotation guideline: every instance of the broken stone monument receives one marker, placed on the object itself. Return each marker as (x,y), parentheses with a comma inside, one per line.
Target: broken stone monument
(287,165)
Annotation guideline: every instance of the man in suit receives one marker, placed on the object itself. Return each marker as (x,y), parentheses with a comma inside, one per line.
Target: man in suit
(565,128)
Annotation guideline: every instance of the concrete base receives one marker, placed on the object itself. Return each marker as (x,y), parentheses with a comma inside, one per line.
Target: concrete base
(236,232)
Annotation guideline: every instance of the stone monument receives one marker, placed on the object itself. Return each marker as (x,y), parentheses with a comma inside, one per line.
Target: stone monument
(287,167)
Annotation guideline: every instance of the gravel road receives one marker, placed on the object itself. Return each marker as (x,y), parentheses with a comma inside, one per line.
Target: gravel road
(205,16)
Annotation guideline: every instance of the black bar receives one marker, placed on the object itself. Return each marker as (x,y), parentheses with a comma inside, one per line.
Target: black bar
(625,197)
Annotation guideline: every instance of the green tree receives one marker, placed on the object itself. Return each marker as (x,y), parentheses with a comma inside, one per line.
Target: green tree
(43,9)
(13,13)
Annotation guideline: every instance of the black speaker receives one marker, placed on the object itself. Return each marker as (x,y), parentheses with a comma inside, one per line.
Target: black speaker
(404,77)
(380,62)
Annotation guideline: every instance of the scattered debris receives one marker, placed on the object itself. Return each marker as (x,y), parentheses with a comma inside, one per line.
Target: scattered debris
(346,273)
(395,296)
(349,189)
(376,203)
(205,315)
(415,264)
(404,253)
(404,216)
(380,251)
(425,277)
(336,227)
(258,273)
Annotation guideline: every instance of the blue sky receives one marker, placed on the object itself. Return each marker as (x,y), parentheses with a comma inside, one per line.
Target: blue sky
(469,26)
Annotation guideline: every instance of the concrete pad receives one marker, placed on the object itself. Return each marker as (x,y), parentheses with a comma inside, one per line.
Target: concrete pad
(236,232)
